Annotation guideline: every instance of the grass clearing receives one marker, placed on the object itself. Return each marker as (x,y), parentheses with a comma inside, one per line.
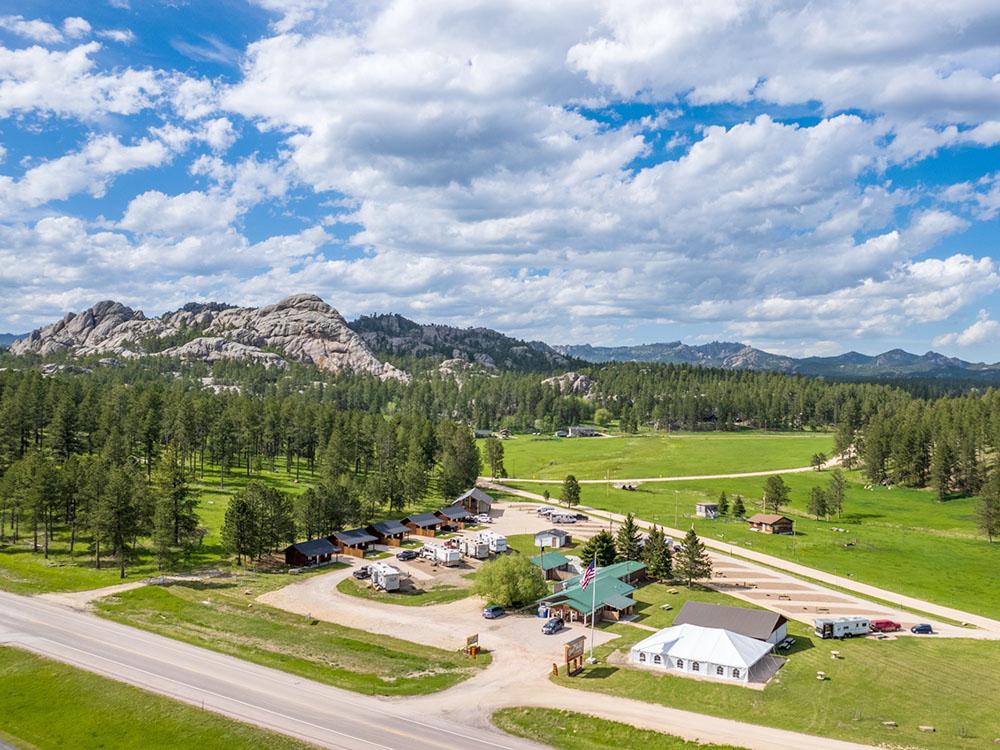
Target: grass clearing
(525,545)
(405,597)
(223,616)
(900,539)
(945,683)
(568,730)
(655,454)
(51,706)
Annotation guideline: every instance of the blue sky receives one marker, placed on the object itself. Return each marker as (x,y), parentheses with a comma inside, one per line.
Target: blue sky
(808,179)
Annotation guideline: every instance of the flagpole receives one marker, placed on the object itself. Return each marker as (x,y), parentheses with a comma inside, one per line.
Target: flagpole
(593,608)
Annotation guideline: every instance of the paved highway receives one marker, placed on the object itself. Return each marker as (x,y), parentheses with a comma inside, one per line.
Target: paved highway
(275,700)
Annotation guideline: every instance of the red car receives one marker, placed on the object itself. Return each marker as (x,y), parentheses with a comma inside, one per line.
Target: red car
(885,626)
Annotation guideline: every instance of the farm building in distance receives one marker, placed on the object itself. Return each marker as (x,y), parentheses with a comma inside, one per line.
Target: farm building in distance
(554,565)
(760,624)
(390,533)
(313,552)
(354,542)
(423,524)
(706,510)
(475,501)
(553,538)
(715,653)
(578,431)
(769,523)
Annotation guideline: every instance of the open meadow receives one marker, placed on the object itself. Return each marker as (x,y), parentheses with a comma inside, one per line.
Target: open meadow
(653,454)
(947,684)
(45,705)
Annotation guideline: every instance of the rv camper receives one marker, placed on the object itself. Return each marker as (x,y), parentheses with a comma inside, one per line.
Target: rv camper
(475,548)
(496,542)
(384,576)
(842,627)
(442,555)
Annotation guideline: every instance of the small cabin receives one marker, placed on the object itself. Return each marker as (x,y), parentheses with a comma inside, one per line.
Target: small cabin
(389,533)
(706,510)
(313,552)
(455,515)
(553,538)
(475,501)
(769,523)
(423,524)
(353,542)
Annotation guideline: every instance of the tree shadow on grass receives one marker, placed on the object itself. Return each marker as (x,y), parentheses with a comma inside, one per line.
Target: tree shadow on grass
(599,673)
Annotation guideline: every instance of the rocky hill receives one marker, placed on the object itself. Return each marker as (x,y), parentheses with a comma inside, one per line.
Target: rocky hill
(398,336)
(302,328)
(734,356)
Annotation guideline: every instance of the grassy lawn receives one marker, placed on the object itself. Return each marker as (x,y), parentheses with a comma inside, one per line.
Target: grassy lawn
(912,681)
(405,597)
(223,616)
(51,706)
(900,539)
(525,545)
(660,454)
(568,730)
(25,572)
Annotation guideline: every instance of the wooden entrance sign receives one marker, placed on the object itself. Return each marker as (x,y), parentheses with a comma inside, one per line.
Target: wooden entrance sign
(574,655)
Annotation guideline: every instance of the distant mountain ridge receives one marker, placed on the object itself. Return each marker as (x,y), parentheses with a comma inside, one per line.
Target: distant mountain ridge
(735,356)
(396,335)
(6,339)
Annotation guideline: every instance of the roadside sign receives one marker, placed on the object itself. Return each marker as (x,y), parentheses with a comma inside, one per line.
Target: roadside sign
(573,651)
(472,640)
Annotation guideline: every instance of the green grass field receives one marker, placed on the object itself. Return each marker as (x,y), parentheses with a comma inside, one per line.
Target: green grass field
(223,616)
(51,706)
(408,597)
(900,539)
(661,455)
(568,730)
(949,684)
(525,545)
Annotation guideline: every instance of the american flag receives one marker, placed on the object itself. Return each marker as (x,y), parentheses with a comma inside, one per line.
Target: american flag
(588,575)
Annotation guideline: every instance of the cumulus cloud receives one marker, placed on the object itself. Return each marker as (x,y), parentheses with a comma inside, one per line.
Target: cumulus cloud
(983,330)
(33,29)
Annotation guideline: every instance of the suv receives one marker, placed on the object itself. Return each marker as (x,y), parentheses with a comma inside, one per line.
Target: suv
(544,510)
(493,611)
(362,572)
(407,554)
(922,629)
(553,626)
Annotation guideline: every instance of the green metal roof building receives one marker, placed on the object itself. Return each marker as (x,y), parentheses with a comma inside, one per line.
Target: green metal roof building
(608,594)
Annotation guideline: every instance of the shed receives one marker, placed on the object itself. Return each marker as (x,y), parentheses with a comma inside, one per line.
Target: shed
(552,564)
(312,552)
(578,431)
(769,523)
(475,501)
(706,510)
(354,542)
(553,538)
(455,514)
(483,433)
(390,533)
(760,624)
(423,524)
(714,653)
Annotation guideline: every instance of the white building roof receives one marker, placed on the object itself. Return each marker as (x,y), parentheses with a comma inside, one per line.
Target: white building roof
(714,645)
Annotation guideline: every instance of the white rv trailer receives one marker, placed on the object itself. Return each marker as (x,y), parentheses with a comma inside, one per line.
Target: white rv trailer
(842,627)
(384,576)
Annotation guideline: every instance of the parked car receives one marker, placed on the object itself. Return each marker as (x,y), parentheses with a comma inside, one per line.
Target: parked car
(362,572)
(922,629)
(545,510)
(553,626)
(885,626)
(786,644)
(493,611)
(407,554)
(448,528)
(484,518)
(563,518)
(582,517)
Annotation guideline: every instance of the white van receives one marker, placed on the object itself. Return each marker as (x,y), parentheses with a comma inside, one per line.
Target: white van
(563,518)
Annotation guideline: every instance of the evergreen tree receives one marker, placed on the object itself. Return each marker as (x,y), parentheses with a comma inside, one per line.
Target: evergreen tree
(175,507)
(988,508)
(691,561)
(460,462)
(494,457)
(817,461)
(775,494)
(657,556)
(739,510)
(239,530)
(835,490)
(818,502)
(943,468)
(571,491)
(117,522)
(628,540)
(601,545)
(723,504)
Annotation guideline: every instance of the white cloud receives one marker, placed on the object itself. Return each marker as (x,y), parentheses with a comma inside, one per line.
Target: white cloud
(33,29)
(76,27)
(984,330)
(122,36)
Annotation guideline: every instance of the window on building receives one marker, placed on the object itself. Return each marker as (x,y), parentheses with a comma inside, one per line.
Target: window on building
(720,671)
(679,664)
(642,656)
(695,666)
(657,659)
(736,673)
